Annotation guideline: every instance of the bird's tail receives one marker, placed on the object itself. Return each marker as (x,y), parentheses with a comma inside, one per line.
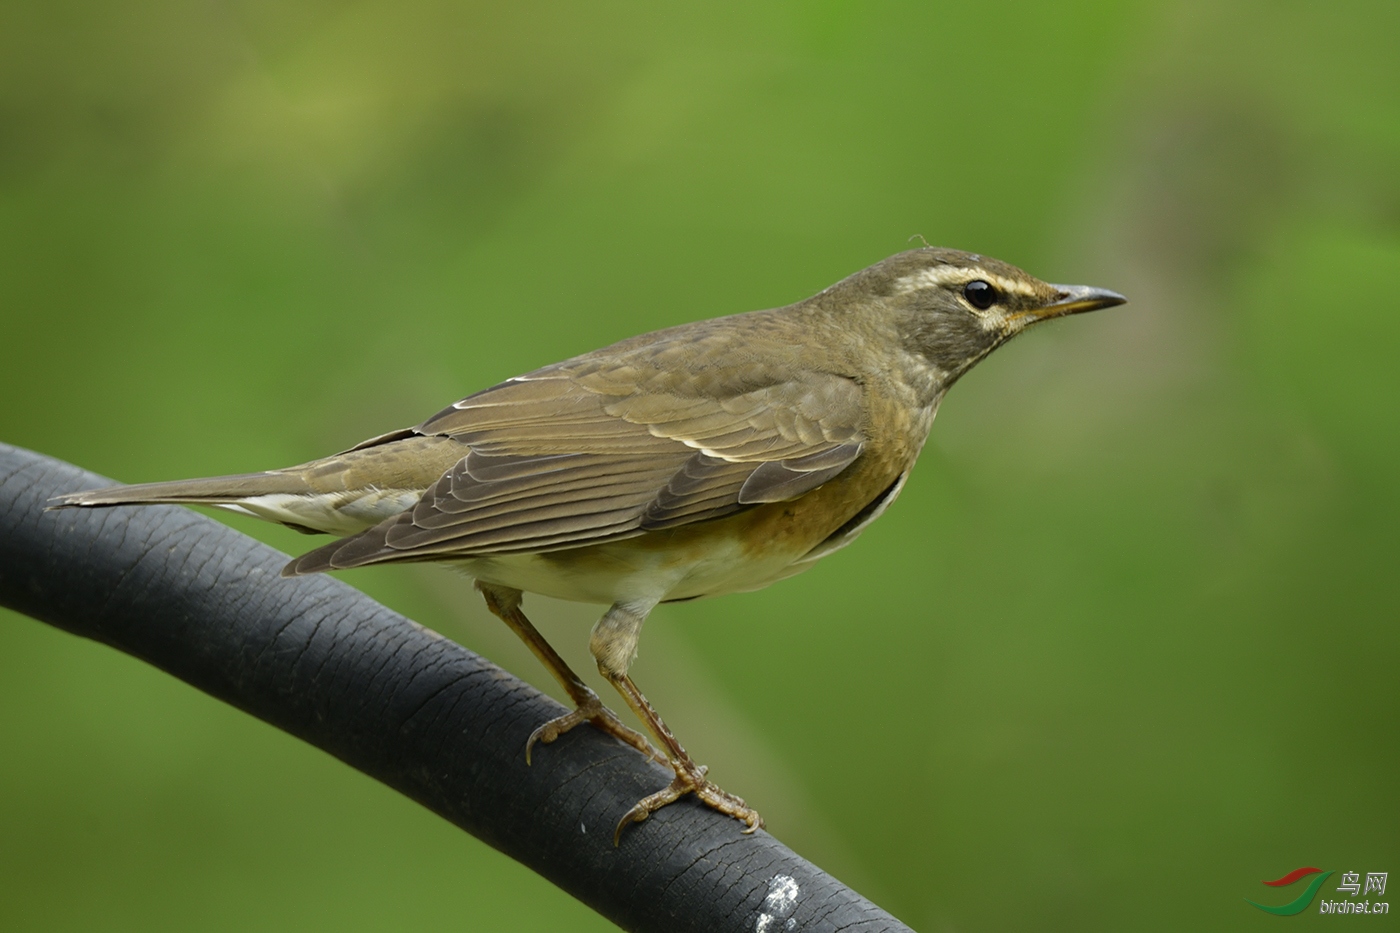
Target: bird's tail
(340,495)
(282,497)
(214,490)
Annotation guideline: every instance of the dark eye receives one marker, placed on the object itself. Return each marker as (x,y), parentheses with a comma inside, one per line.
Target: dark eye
(980,295)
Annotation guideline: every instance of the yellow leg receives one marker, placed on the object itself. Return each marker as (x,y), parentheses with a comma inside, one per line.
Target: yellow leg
(690,777)
(614,645)
(505,604)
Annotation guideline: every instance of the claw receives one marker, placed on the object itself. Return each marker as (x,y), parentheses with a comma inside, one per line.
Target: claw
(592,710)
(689,781)
(552,729)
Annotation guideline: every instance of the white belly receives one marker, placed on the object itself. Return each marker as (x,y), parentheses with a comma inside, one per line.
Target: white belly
(622,572)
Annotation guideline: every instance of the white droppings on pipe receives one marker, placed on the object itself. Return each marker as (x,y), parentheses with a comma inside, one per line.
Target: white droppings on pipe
(778,905)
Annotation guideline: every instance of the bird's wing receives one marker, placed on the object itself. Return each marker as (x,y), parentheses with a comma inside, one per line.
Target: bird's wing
(597,449)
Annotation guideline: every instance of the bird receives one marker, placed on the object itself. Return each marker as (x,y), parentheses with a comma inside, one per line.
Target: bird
(708,458)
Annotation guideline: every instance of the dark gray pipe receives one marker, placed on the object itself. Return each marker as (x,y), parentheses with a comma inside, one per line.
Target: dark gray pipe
(400,703)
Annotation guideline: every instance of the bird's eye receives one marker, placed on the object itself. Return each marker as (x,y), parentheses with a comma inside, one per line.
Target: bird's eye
(980,295)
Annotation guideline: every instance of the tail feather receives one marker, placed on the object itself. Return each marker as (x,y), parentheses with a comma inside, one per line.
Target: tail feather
(215,490)
(344,494)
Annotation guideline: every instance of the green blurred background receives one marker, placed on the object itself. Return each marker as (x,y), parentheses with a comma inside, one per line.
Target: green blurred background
(1127,644)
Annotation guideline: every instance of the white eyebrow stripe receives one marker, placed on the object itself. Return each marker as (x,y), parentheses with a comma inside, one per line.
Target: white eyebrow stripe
(938,276)
(931,277)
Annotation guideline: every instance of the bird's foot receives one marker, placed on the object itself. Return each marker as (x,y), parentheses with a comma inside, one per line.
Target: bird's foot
(690,779)
(590,709)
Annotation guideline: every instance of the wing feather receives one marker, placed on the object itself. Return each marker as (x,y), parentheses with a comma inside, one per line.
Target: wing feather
(617,443)
(778,480)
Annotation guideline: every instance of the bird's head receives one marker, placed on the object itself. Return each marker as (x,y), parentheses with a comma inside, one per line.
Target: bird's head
(953,308)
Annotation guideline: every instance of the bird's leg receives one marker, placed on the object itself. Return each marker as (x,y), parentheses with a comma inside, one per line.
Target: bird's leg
(504,603)
(690,777)
(614,644)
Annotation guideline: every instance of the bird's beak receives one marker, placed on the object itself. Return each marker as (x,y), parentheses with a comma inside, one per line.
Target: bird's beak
(1076,299)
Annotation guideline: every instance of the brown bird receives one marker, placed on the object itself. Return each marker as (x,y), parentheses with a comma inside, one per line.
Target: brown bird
(709,458)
